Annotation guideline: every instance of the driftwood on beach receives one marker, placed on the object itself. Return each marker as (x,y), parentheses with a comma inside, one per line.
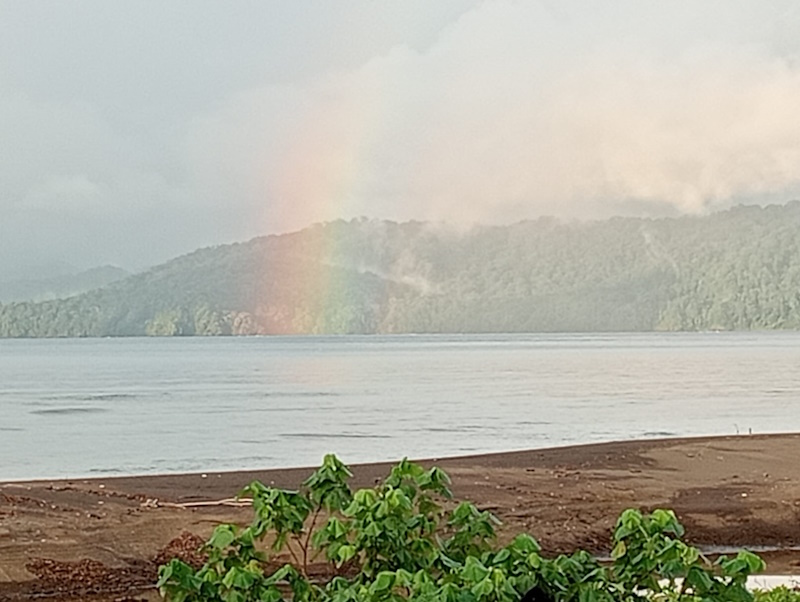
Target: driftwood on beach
(230,501)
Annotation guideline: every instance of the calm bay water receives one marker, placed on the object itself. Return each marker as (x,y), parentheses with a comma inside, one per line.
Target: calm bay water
(128,406)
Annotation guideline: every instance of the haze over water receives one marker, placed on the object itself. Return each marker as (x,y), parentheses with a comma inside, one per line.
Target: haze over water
(80,407)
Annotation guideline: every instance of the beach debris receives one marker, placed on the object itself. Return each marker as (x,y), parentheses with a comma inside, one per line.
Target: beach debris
(185,547)
(87,577)
(230,501)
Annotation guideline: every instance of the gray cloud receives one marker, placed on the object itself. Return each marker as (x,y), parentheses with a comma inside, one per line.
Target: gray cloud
(132,137)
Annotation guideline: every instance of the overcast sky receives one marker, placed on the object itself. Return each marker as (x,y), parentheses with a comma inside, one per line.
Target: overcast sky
(131,132)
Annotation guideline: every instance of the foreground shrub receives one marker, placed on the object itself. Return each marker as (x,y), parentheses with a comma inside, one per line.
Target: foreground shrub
(779,594)
(403,540)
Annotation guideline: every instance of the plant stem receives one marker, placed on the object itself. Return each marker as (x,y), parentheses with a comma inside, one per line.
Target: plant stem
(296,560)
(304,545)
(683,588)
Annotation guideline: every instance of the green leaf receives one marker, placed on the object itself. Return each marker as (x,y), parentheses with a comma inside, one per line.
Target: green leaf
(588,594)
(501,556)
(403,578)
(483,588)
(229,577)
(245,579)
(399,499)
(745,562)
(233,595)
(345,553)
(271,594)
(449,562)
(449,592)
(525,543)
(336,528)
(365,497)
(700,580)
(165,572)
(373,529)
(223,536)
(383,582)
(282,574)
(473,570)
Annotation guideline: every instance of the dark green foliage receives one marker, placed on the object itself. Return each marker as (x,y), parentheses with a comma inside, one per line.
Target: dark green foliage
(779,594)
(402,540)
(735,270)
(649,554)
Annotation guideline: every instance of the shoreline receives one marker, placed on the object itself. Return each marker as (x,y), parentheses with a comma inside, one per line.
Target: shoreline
(490,458)
(728,491)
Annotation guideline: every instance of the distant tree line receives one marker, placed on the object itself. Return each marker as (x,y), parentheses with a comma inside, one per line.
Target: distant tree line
(734,270)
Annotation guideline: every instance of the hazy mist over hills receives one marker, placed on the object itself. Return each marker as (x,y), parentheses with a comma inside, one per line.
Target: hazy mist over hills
(53,283)
(133,135)
(738,269)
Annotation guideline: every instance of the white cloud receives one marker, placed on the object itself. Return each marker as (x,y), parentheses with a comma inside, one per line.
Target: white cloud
(512,114)
(73,194)
(117,148)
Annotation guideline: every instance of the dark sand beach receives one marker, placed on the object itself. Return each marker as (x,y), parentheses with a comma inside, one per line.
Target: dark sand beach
(101,539)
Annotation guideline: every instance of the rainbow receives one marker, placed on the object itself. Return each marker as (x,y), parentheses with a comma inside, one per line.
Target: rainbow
(322,170)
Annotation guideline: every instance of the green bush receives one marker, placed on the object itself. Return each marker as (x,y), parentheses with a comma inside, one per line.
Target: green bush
(779,594)
(403,540)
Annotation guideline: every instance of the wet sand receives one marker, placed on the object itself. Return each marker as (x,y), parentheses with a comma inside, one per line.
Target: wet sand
(99,539)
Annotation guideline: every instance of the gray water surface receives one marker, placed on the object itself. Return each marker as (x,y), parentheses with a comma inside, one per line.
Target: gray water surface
(91,407)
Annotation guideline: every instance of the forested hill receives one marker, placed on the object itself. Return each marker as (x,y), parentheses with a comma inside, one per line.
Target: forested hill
(739,269)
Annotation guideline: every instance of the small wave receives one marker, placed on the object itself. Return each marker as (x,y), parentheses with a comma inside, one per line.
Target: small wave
(659,434)
(778,392)
(463,428)
(301,394)
(90,397)
(10,429)
(240,410)
(68,411)
(330,436)
(300,409)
